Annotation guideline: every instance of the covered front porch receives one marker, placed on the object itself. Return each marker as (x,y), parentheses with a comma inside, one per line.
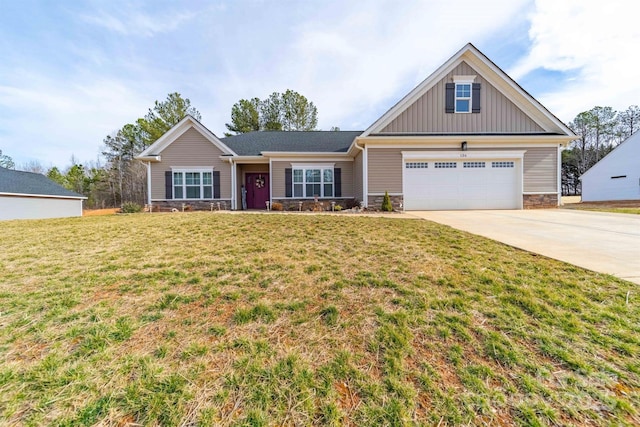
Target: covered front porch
(252,187)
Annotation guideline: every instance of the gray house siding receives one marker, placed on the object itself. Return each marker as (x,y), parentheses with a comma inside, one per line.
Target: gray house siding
(540,168)
(190,149)
(497,113)
(278,179)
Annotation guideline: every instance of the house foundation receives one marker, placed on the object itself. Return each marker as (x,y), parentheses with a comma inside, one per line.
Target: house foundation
(539,201)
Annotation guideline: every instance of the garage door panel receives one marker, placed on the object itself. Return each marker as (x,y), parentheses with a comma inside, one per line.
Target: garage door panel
(483,184)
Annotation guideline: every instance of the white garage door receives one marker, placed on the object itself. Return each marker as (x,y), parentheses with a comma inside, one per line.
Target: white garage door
(462,184)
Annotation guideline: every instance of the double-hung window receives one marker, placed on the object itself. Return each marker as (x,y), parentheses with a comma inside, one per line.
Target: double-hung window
(313,181)
(192,184)
(463,98)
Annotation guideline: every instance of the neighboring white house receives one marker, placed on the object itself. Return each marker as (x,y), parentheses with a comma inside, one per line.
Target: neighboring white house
(27,195)
(616,176)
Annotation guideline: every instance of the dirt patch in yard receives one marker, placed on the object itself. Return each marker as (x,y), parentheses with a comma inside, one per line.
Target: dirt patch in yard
(97,212)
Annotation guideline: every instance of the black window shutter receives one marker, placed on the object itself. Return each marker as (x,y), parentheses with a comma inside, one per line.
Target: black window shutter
(216,184)
(449,97)
(288,184)
(475,98)
(337,182)
(168,185)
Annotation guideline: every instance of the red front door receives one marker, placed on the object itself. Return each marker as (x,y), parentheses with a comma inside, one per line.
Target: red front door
(257,187)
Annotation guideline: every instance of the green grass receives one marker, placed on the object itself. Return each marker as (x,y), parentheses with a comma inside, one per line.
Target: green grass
(234,320)
(634,211)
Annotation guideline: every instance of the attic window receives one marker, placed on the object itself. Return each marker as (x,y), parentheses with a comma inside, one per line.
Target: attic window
(463,98)
(463,95)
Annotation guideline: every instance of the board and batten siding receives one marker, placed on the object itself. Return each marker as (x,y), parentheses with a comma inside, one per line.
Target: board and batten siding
(357,177)
(277,176)
(497,113)
(190,149)
(540,168)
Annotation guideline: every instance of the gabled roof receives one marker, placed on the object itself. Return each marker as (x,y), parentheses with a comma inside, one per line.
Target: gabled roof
(621,150)
(29,183)
(490,72)
(175,132)
(254,143)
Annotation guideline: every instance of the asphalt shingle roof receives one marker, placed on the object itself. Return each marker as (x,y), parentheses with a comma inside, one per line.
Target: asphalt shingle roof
(20,182)
(253,143)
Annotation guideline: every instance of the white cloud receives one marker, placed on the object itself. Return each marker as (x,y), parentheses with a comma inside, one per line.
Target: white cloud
(130,21)
(596,41)
(357,66)
(52,121)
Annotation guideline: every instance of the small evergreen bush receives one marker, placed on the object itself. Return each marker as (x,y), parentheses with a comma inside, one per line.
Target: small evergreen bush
(130,207)
(386,203)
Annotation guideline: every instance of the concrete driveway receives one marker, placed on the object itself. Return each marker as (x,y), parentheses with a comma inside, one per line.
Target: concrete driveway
(602,242)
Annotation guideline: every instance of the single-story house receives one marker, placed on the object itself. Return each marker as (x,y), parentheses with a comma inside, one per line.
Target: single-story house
(616,176)
(27,195)
(467,137)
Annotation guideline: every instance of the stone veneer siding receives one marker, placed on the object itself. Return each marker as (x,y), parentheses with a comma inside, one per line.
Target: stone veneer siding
(289,204)
(375,202)
(540,201)
(191,205)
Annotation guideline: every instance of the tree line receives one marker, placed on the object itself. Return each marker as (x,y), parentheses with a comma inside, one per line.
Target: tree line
(599,131)
(116,177)
(289,111)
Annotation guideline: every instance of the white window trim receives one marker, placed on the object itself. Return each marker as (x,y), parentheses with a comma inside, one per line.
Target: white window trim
(183,170)
(464,80)
(307,166)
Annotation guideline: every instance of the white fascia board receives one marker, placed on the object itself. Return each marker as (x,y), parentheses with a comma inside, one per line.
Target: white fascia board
(311,159)
(276,154)
(152,159)
(180,128)
(619,150)
(400,140)
(416,93)
(463,155)
(242,160)
(45,196)
(192,168)
(524,100)
(312,165)
(470,53)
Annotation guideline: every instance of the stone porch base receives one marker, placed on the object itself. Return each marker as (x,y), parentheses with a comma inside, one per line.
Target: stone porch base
(311,205)
(191,205)
(375,202)
(539,201)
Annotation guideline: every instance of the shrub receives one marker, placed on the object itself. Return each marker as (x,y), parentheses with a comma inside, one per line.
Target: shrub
(386,203)
(130,207)
(337,208)
(276,206)
(353,203)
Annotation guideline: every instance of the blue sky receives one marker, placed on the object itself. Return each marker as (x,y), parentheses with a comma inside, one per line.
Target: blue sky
(72,72)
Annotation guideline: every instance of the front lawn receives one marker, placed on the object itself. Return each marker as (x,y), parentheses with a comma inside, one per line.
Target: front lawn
(244,319)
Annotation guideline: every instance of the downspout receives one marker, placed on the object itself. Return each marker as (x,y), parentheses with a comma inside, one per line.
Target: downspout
(270,183)
(560,150)
(233,184)
(149,186)
(365,189)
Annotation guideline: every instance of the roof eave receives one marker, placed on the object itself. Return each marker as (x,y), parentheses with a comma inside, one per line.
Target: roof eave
(48,196)
(151,158)
(304,154)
